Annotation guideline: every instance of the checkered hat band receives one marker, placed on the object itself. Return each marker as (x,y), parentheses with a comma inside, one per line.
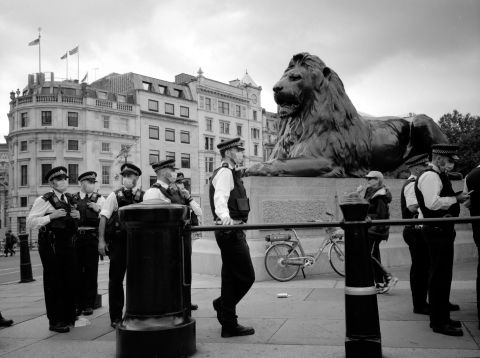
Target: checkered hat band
(231,145)
(158,167)
(444,151)
(130,170)
(56,174)
(87,177)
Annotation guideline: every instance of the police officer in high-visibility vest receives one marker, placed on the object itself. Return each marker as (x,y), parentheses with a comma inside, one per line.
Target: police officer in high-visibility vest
(112,237)
(412,234)
(436,199)
(89,203)
(230,206)
(57,219)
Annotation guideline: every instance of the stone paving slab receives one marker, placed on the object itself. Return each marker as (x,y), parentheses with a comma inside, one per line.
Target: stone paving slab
(34,328)
(65,348)
(12,344)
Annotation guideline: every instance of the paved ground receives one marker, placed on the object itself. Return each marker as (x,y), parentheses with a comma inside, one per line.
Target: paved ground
(310,323)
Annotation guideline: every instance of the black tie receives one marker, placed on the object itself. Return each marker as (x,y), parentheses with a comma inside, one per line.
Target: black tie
(62,198)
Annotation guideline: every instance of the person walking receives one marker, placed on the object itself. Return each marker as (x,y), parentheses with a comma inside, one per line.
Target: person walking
(378,197)
(89,203)
(112,237)
(57,219)
(436,199)
(472,186)
(230,206)
(10,241)
(412,234)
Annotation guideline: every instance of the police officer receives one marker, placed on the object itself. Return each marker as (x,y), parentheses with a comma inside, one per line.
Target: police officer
(472,186)
(89,203)
(436,198)
(57,219)
(168,190)
(230,206)
(112,237)
(412,234)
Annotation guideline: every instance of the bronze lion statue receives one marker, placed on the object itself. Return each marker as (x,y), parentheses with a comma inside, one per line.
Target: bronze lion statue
(321,133)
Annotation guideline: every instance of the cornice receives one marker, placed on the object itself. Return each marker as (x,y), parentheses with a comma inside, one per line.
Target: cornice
(76,132)
(174,119)
(221,94)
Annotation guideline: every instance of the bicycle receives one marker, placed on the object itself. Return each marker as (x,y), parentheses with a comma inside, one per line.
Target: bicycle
(285,256)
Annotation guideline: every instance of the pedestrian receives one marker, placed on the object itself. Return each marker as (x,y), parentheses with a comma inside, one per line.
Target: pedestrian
(112,237)
(436,199)
(412,234)
(57,219)
(5,322)
(230,206)
(89,203)
(378,197)
(10,241)
(472,186)
(169,190)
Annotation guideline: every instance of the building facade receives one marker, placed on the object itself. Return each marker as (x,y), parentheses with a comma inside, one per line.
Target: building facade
(4,165)
(270,133)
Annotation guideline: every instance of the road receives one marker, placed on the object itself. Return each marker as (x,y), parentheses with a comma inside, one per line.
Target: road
(10,267)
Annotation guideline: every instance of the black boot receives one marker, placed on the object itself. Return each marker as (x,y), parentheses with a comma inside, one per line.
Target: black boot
(5,322)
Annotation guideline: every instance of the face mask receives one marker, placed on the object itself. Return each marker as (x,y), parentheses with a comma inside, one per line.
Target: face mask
(128,182)
(88,187)
(60,185)
(238,157)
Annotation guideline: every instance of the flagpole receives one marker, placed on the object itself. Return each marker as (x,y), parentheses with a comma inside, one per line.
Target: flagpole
(39,51)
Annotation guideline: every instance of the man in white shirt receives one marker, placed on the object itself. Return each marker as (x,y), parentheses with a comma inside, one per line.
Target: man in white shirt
(436,198)
(230,206)
(89,203)
(412,235)
(57,220)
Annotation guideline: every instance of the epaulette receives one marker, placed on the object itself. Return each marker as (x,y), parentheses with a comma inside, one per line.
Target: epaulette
(224,165)
(47,196)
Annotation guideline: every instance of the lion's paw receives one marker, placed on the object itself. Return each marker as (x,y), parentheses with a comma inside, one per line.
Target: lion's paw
(259,169)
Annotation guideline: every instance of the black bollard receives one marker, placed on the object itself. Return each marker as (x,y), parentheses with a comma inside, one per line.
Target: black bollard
(157,321)
(363,337)
(25,264)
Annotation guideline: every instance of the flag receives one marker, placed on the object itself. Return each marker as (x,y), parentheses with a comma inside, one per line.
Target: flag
(73,51)
(34,42)
(63,57)
(85,77)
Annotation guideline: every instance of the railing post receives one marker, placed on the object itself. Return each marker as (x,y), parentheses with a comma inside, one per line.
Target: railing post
(157,321)
(25,264)
(363,337)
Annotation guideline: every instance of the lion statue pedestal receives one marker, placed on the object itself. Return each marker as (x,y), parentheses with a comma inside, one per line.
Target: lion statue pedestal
(293,199)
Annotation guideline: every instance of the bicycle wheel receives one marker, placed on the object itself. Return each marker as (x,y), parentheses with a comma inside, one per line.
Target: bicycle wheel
(274,257)
(336,256)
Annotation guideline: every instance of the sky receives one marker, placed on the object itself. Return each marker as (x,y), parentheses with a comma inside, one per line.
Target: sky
(394,57)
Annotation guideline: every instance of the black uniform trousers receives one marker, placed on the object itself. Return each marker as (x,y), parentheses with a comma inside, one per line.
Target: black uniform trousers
(238,274)
(476,238)
(59,270)
(118,267)
(420,266)
(440,246)
(86,246)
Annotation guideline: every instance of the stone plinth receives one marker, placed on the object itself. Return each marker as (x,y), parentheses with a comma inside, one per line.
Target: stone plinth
(292,199)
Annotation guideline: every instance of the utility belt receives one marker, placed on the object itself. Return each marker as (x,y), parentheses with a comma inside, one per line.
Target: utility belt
(416,228)
(235,222)
(87,232)
(63,238)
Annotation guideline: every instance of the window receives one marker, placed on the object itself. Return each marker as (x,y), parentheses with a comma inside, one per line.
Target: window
(223,107)
(72,173)
(208,124)
(123,124)
(170,155)
(46,118)
(46,144)
(255,149)
(153,132)
(24,119)
(45,169)
(72,144)
(162,89)
(153,180)
(152,105)
(121,98)
(208,164)
(23,201)
(177,93)
(184,137)
(22,224)
(23,146)
(72,119)
(239,130)
(154,156)
(208,143)
(170,135)
(238,113)
(147,86)
(185,160)
(106,122)
(23,175)
(105,147)
(254,115)
(224,127)
(184,112)
(102,95)
(208,104)
(255,133)
(169,108)
(105,174)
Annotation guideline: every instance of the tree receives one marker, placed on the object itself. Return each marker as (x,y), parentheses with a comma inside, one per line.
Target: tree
(463,130)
